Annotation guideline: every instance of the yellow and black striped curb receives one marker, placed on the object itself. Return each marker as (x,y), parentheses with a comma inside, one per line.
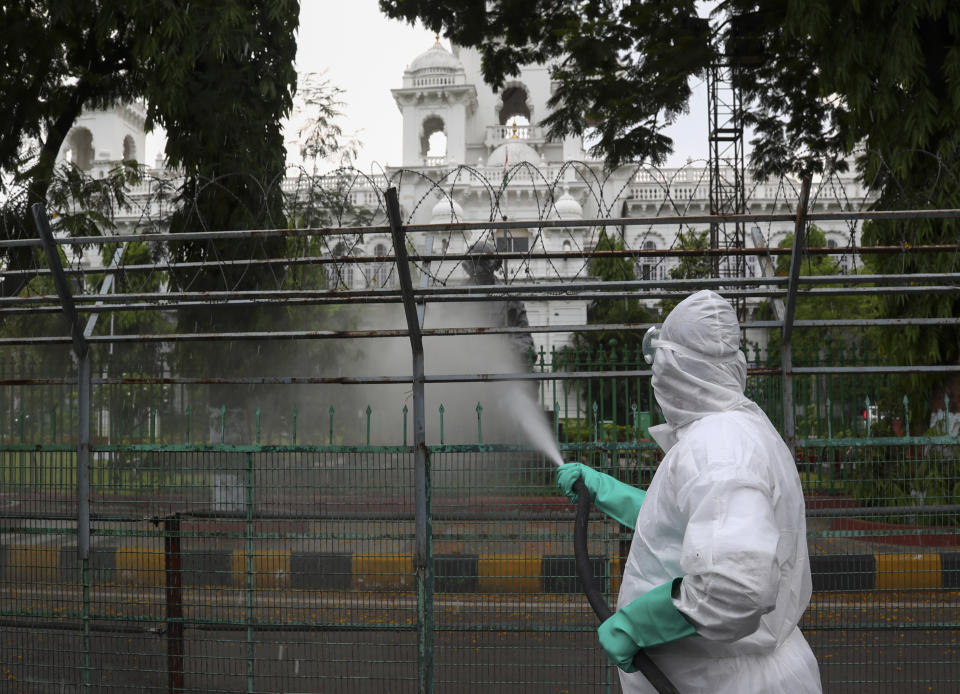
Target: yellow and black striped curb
(838,572)
(453,573)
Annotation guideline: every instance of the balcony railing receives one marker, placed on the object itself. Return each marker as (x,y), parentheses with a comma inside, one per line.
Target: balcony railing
(434,81)
(528,134)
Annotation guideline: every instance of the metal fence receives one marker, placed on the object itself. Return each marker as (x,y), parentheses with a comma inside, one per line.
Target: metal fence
(396,531)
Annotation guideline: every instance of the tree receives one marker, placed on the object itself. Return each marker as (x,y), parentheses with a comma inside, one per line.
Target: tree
(692,266)
(835,346)
(322,198)
(820,80)
(611,350)
(198,66)
(55,59)
(79,205)
(217,75)
(621,69)
(316,115)
(817,77)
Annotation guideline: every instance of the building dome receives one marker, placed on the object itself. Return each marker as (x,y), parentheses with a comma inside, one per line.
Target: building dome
(568,208)
(513,152)
(446,211)
(437,59)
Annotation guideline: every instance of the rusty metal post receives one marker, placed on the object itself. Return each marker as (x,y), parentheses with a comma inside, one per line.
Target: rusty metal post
(82,353)
(173,589)
(786,351)
(423,558)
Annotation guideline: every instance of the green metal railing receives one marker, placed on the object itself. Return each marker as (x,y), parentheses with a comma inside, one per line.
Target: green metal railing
(254,563)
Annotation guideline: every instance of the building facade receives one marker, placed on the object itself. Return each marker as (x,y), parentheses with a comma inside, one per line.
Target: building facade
(471,154)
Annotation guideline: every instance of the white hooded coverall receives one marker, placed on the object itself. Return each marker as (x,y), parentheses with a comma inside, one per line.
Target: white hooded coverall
(724,511)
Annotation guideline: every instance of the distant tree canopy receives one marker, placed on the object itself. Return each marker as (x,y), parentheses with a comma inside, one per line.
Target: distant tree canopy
(611,350)
(620,310)
(217,75)
(690,267)
(817,77)
(811,343)
(819,80)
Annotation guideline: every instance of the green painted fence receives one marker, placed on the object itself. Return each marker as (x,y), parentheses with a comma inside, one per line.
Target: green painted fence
(284,563)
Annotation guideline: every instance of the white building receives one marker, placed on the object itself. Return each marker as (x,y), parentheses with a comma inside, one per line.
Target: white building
(474,155)
(100,139)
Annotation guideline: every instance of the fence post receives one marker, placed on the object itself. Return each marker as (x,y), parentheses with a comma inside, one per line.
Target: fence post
(786,354)
(82,353)
(250,585)
(173,588)
(423,555)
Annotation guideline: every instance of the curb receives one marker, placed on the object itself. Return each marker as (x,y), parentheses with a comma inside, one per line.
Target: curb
(840,572)
(453,573)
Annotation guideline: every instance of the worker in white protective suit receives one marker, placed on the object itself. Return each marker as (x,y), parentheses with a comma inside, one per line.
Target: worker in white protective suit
(718,573)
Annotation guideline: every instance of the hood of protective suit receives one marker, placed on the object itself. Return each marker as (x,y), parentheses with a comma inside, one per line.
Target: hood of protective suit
(698,368)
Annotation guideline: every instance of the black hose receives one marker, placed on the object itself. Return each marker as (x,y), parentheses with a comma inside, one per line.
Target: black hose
(641,661)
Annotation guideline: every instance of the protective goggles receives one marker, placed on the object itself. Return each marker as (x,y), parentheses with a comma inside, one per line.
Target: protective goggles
(651,340)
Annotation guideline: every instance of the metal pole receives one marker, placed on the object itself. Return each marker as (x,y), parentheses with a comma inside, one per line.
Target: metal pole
(174,598)
(83,497)
(83,457)
(423,558)
(81,351)
(786,353)
(250,585)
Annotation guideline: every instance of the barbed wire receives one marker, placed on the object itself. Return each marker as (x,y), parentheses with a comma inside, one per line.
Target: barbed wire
(348,197)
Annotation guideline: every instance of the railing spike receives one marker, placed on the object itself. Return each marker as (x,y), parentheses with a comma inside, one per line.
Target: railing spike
(479,422)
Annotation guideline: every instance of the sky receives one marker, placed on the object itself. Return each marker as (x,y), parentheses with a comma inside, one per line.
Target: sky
(365,53)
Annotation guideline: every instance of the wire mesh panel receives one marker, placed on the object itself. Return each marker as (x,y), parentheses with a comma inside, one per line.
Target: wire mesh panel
(510,614)
(886,609)
(42,611)
(217,568)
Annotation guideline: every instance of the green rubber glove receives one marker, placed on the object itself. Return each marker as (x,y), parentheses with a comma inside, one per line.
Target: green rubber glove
(648,621)
(617,499)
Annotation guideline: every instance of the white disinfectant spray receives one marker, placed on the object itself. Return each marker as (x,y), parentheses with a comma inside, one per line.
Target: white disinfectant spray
(527,413)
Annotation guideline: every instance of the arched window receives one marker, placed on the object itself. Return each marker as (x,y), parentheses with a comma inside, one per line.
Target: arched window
(433,140)
(566,248)
(80,148)
(129,149)
(515,103)
(437,145)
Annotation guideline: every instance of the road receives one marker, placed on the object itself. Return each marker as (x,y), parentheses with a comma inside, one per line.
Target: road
(347,642)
